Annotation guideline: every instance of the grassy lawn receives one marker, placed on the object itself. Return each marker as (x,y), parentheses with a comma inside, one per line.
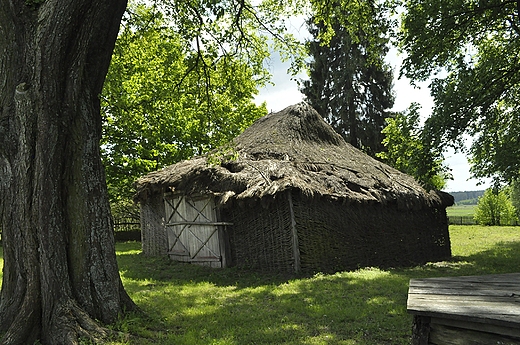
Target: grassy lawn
(188,304)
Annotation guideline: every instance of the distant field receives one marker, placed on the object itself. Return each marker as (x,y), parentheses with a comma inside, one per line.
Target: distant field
(461,210)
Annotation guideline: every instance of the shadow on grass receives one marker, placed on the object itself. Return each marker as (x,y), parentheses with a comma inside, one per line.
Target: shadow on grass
(503,257)
(199,305)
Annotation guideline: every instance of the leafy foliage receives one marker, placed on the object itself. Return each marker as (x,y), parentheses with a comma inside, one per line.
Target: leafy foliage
(471,46)
(350,84)
(407,151)
(162,103)
(237,27)
(357,18)
(495,208)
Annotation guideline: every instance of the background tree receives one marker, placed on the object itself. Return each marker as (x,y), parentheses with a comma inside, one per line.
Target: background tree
(160,106)
(407,152)
(350,84)
(474,44)
(495,208)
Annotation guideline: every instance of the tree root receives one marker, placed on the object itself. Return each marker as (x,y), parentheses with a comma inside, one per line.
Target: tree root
(70,324)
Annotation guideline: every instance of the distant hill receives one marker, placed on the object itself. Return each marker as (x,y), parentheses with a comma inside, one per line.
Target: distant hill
(467,198)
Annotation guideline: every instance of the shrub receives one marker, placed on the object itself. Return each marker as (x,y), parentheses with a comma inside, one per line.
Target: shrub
(495,208)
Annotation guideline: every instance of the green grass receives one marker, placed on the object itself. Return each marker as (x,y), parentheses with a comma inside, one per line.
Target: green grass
(189,304)
(461,210)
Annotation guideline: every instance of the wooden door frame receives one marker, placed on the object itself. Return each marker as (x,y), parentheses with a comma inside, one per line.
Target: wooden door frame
(220,228)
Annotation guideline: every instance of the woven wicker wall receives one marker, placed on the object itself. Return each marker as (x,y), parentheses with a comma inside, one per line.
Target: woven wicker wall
(261,237)
(153,231)
(336,236)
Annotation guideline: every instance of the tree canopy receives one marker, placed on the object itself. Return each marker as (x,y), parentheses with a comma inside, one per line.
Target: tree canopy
(60,269)
(470,49)
(161,105)
(407,152)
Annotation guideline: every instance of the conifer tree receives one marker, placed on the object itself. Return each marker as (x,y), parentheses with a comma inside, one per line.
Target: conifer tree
(350,84)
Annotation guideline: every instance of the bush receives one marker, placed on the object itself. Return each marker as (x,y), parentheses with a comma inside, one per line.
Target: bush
(495,208)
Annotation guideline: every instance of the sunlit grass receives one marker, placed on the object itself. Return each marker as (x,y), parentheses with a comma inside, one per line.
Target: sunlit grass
(469,240)
(189,304)
(197,305)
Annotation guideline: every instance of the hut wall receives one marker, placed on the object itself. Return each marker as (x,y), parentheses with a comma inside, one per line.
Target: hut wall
(261,235)
(153,232)
(338,236)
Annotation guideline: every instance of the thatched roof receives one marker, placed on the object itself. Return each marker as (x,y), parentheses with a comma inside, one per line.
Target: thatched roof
(292,149)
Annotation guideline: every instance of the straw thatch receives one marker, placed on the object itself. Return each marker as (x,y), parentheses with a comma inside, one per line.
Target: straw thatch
(293,149)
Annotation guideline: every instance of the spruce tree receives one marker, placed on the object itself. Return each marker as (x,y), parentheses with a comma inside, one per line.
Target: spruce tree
(350,84)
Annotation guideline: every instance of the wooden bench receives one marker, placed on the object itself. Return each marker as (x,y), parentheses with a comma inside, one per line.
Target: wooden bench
(474,310)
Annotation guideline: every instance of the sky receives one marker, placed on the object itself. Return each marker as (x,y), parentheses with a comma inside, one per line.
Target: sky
(285,92)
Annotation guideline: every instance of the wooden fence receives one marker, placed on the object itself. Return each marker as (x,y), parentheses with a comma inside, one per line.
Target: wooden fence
(127,229)
(464,220)
(468,220)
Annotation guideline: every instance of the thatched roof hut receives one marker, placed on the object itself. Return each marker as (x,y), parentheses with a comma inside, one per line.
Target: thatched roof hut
(292,188)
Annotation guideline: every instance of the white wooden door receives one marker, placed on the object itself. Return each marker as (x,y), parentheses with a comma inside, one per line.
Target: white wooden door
(193,230)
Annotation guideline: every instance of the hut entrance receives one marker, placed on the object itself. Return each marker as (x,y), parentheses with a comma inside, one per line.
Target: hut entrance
(194,234)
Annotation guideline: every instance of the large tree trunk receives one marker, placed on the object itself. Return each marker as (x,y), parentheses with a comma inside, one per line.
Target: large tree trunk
(60,270)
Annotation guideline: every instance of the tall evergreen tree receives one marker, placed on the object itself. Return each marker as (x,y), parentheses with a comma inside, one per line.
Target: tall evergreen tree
(350,84)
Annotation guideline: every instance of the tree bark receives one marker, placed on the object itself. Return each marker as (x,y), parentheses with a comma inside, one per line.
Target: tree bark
(60,270)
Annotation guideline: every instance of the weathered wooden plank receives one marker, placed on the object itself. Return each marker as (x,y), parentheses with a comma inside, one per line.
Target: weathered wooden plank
(492,299)
(499,278)
(480,327)
(200,223)
(502,282)
(497,320)
(445,335)
(181,258)
(294,233)
(478,313)
(467,288)
(473,310)
(205,259)
(486,303)
(504,292)
(512,281)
